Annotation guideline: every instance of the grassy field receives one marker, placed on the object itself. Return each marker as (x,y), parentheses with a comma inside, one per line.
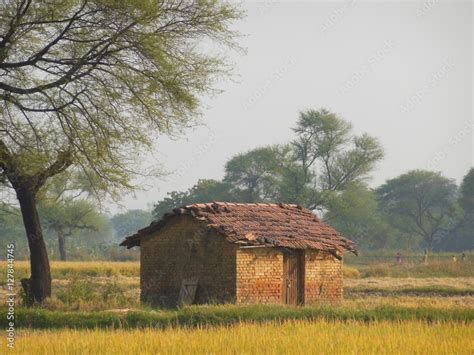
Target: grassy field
(218,315)
(298,337)
(98,286)
(95,308)
(71,269)
(61,270)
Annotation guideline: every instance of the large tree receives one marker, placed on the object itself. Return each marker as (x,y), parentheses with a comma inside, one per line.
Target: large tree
(254,174)
(355,213)
(420,203)
(324,157)
(65,209)
(464,238)
(466,192)
(65,217)
(329,155)
(89,84)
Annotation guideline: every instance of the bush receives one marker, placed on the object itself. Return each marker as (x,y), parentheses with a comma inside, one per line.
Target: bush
(77,290)
(351,272)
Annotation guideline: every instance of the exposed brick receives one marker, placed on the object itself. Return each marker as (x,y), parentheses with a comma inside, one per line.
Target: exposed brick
(185,249)
(227,273)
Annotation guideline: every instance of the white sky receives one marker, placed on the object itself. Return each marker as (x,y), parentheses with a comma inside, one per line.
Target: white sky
(401,71)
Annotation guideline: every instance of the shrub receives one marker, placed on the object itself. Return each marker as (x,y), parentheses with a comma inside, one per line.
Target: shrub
(77,290)
(351,272)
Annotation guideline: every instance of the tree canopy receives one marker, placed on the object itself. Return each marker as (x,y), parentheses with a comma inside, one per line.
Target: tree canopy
(355,213)
(204,191)
(90,84)
(466,192)
(420,203)
(329,155)
(254,175)
(464,231)
(324,157)
(129,222)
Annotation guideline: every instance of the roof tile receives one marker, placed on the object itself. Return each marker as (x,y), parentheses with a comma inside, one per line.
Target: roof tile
(284,225)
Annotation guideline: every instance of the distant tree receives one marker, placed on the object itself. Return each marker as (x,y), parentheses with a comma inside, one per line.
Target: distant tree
(90,84)
(64,209)
(205,190)
(325,157)
(464,237)
(354,212)
(420,203)
(127,223)
(329,155)
(12,231)
(66,217)
(255,174)
(466,192)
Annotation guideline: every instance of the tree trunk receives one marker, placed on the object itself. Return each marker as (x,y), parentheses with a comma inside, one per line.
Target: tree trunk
(40,281)
(61,244)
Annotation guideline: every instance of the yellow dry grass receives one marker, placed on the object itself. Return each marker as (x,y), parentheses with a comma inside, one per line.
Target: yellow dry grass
(295,337)
(100,276)
(85,265)
(398,283)
(372,301)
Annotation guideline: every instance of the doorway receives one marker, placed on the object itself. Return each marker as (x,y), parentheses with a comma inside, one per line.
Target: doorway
(293,277)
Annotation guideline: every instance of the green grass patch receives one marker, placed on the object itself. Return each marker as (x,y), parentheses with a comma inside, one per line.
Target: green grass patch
(226,315)
(78,270)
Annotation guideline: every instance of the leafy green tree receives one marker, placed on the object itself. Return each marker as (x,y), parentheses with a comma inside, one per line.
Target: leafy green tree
(65,217)
(329,155)
(466,192)
(324,157)
(464,232)
(65,210)
(88,85)
(355,213)
(293,184)
(420,203)
(127,223)
(206,190)
(254,175)
(93,242)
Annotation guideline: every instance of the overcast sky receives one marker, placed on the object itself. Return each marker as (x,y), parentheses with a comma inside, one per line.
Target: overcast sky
(401,71)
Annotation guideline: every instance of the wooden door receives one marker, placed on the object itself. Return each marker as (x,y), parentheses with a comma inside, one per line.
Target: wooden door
(292,277)
(187,294)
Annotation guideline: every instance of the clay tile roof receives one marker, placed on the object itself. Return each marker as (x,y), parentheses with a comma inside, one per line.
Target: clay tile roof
(259,224)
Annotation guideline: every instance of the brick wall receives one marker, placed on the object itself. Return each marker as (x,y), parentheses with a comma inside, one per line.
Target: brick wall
(323,277)
(259,275)
(185,249)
